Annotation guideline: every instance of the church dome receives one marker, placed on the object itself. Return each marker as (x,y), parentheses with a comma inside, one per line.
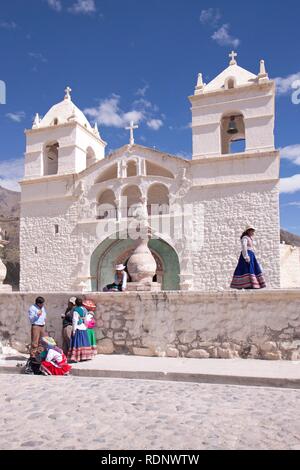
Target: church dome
(64,112)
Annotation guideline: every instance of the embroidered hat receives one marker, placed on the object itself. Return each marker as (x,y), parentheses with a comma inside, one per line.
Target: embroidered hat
(72,300)
(120,267)
(250,227)
(89,305)
(48,342)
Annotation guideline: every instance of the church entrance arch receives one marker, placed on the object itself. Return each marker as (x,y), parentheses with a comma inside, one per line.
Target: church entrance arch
(116,251)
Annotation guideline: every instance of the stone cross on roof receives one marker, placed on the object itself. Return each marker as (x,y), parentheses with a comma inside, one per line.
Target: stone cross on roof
(131,129)
(232,55)
(68,93)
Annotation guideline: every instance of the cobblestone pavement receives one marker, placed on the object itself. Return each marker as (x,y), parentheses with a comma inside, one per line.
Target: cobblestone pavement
(90,413)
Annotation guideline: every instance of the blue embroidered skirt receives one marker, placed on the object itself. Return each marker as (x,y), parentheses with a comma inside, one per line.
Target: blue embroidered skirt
(248,275)
(80,348)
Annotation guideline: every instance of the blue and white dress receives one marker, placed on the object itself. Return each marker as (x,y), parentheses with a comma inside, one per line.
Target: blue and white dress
(248,274)
(80,348)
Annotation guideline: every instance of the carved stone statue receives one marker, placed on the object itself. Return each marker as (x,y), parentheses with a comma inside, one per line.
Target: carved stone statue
(142,265)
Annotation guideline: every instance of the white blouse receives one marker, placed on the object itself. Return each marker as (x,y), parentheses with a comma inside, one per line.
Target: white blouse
(54,357)
(76,326)
(247,244)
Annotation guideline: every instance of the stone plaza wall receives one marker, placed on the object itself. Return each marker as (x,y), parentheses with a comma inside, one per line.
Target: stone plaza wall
(263,324)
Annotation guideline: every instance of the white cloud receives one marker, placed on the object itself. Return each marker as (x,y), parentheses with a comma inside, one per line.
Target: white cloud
(211,16)
(290,185)
(8,25)
(155,124)
(37,56)
(224,38)
(55,4)
(142,91)
(294,204)
(18,116)
(284,84)
(84,7)
(11,171)
(291,153)
(109,113)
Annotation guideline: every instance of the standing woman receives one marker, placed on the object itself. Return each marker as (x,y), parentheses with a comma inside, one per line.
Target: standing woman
(248,274)
(90,306)
(80,348)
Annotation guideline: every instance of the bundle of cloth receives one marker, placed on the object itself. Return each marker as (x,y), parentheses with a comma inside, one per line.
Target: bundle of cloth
(90,322)
(53,360)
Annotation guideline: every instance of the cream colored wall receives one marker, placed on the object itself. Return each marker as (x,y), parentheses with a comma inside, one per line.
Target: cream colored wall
(290,266)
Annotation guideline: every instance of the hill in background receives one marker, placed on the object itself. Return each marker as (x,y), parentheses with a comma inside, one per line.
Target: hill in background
(10,222)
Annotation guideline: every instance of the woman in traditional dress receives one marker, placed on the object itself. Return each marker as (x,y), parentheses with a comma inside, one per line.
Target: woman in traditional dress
(80,348)
(248,274)
(54,362)
(120,280)
(91,323)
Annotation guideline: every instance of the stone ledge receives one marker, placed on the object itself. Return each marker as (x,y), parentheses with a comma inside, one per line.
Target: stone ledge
(202,295)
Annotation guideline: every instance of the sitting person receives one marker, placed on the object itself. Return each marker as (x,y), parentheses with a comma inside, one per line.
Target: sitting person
(91,323)
(120,281)
(53,360)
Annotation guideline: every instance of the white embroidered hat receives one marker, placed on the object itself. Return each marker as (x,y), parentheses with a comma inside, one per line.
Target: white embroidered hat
(120,267)
(72,300)
(250,227)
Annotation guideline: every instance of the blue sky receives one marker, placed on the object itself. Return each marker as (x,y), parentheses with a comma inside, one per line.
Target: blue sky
(142,57)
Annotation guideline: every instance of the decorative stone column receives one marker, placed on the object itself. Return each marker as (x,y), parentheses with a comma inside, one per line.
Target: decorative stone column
(3,270)
(142,265)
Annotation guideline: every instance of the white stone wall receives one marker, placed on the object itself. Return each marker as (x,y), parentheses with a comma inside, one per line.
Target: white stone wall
(55,265)
(227,210)
(290,266)
(223,204)
(264,324)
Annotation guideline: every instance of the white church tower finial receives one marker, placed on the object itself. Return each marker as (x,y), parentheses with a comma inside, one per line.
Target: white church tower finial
(262,76)
(131,129)
(200,85)
(233,55)
(36,122)
(68,93)
(96,130)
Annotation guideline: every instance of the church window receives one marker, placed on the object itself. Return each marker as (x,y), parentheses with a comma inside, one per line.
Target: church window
(158,200)
(131,169)
(55,122)
(106,205)
(51,159)
(233,134)
(230,83)
(56,229)
(35,250)
(131,197)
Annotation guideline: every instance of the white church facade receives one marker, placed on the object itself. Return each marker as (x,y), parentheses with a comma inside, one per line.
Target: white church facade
(77,207)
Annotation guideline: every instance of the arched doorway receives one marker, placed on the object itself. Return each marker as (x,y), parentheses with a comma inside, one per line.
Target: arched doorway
(115,251)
